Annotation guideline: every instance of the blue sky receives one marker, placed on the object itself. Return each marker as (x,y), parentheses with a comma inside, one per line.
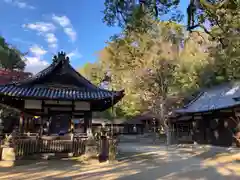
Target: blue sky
(44,27)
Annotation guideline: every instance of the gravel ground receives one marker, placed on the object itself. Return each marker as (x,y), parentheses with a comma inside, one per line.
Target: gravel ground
(138,161)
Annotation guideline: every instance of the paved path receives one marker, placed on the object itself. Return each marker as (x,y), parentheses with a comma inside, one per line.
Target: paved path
(137,161)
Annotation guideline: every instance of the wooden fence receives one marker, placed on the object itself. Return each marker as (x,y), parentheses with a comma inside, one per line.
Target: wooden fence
(27,147)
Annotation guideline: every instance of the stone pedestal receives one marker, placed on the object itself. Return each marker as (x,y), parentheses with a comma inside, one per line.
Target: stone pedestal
(8,157)
(8,154)
(91,148)
(112,150)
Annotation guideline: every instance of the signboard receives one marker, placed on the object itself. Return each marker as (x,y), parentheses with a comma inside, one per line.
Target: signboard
(33,104)
(82,106)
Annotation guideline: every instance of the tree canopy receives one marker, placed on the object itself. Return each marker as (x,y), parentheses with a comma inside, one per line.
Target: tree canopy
(138,15)
(162,64)
(10,57)
(150,67)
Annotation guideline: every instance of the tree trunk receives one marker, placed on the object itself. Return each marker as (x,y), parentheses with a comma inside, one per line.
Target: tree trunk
(168,135)
(166,125)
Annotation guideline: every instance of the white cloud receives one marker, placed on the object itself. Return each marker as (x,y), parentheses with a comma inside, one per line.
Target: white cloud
(41,27)
(74,54)
(66,24)
(20,4)
(71,33)
(52,40)
(46,30)
(53,46)
(61,20)
(35,64)
(37,50)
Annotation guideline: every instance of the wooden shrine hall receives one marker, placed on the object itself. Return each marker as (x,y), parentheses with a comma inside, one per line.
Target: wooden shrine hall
(57,95)
(211,118)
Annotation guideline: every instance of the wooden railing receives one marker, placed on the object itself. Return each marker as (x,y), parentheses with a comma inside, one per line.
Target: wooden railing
(26,147)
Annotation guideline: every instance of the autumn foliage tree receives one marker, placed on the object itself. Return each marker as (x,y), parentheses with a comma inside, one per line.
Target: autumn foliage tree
(148,67)
(160,63)
(11,59)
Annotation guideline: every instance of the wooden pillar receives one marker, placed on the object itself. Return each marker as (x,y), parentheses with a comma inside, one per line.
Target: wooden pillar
(88,123)
(25,124)
(48,125)
(43,120)
(71,123)
(85,123)
(147,126)
(21,118)
(1,125)
(72,128)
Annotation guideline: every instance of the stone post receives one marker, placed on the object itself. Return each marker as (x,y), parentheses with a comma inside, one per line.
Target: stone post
(91,144)
(8,156)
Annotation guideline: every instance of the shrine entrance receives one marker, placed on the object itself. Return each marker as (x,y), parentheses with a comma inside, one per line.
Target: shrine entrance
(59,123)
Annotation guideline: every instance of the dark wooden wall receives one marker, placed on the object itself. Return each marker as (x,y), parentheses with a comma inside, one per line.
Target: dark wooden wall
(59,123)
(215,129)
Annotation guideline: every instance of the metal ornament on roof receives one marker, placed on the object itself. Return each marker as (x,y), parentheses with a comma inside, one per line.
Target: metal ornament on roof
(60,57)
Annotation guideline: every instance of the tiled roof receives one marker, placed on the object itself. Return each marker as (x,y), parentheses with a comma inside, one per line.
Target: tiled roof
(60,64)
(35,87)
(48,70)
(219,97)
(48,93)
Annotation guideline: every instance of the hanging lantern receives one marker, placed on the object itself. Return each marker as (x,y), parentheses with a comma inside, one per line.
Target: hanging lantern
(36,118)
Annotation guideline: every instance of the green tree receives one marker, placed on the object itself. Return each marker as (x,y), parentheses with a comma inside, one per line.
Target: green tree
(10,57)
(131,55)
(157,69)
(164,69)
(224,60)
(139,14)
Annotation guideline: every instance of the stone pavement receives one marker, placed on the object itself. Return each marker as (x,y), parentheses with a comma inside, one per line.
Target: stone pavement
(141,162)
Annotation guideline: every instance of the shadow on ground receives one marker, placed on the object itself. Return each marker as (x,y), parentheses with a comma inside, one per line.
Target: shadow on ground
(178,163)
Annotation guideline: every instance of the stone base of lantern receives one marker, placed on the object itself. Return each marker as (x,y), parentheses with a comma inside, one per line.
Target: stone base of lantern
(8,157)
(91,148)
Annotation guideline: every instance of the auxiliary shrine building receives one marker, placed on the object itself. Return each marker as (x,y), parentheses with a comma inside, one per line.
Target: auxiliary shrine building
(213,117)
(58,94)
